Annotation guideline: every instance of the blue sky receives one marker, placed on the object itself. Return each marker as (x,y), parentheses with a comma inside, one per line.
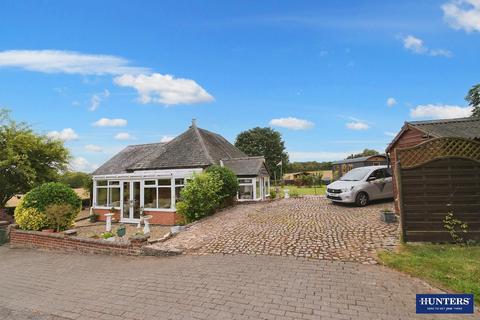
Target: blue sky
(334,77)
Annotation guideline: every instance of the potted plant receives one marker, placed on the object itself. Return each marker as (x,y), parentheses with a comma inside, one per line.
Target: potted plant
(93,217)
(387,215)
(121,231)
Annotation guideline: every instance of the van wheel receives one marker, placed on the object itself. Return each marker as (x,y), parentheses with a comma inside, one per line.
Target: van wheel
(362,199)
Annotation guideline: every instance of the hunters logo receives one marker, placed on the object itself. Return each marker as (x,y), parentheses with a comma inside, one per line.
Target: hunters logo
(445,303)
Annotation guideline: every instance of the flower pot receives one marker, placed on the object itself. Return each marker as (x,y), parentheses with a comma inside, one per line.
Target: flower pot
(111,239)
(388,216)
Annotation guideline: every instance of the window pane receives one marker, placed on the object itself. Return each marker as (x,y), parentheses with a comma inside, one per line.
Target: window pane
(245,192)
(113,183)
(178,182)
(114,194)
(164,197)
(150,182)
(177,194)
(101,182)
(164,182)
(259,195)
(102,197)
(244,180)
(150,197)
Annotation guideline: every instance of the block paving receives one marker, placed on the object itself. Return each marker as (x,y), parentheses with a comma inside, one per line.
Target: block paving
(310,227)
(58,286)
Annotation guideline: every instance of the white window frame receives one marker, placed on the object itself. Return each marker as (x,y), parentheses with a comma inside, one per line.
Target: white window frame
(107,187)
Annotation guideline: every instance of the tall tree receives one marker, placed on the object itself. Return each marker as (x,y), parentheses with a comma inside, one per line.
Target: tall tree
(473,99)
(27,159)
(76,179)
(264,142)
(364,153)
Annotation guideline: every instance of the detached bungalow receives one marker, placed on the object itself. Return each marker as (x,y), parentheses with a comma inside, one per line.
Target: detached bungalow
(151,176)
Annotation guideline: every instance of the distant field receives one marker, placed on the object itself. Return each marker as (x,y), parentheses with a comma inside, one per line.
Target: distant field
(306,191)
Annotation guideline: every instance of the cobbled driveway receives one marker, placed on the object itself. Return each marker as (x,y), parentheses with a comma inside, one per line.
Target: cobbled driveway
(310,227)
(53,286)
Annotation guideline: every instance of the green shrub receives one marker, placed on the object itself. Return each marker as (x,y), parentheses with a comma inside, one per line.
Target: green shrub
(57,216)
(30,218)
(273,194)
(44,197)
(201,196)
(230,184)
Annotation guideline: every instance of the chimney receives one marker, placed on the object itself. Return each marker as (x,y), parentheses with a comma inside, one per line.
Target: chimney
(194,123)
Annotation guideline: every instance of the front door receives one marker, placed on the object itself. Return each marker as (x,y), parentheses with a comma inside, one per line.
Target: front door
(131,201)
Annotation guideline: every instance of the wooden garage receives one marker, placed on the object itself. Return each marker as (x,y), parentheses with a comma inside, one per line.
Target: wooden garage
(437,172)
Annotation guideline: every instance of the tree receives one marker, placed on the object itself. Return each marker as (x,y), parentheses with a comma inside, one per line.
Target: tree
(364,153)
(76,179)
(27,159)
(473,99)
(308,166)
(263,142)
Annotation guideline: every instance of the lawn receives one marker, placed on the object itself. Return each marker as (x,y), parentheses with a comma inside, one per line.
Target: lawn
(305,190)
(450,267)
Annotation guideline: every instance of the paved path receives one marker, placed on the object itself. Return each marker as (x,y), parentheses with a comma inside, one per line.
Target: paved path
(54,286)
(309,227)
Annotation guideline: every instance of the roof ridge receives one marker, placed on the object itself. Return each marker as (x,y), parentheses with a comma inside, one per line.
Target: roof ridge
(202,143)
(146,144)
(244,158)
(437,121)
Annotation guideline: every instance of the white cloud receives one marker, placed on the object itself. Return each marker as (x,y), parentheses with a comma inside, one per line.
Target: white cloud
(318,156)
(417,46)
(82,164)
(97,99)
(58,61)
(390,134)
(164,89)
(414,44)
(123,136)
(105,122)
(391,102)
(439,111)
(93,148)
(66,134)
(357,125)
(166,139)
(462,14)
(292,123)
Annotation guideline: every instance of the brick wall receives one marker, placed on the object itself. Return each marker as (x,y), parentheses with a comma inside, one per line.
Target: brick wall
(61,242)
(165,218)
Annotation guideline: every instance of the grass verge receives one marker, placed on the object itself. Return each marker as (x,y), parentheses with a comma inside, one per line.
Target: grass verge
(305,190)
(450,267)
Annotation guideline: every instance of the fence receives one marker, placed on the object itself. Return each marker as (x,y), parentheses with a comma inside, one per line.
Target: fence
(435,178)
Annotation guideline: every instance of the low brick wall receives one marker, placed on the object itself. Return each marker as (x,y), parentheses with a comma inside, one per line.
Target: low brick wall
(164,218)
(62,242)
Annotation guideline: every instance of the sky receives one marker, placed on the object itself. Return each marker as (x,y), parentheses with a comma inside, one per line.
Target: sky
(334,77)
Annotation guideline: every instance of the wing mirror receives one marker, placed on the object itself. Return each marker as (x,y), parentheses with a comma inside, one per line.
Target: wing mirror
(371,178)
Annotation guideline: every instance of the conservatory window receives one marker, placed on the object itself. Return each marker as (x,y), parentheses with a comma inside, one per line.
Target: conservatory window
(108,193)
(157,194)
(179,184)
(245,190)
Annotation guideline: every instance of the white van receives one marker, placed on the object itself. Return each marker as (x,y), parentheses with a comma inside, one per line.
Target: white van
(360,185)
